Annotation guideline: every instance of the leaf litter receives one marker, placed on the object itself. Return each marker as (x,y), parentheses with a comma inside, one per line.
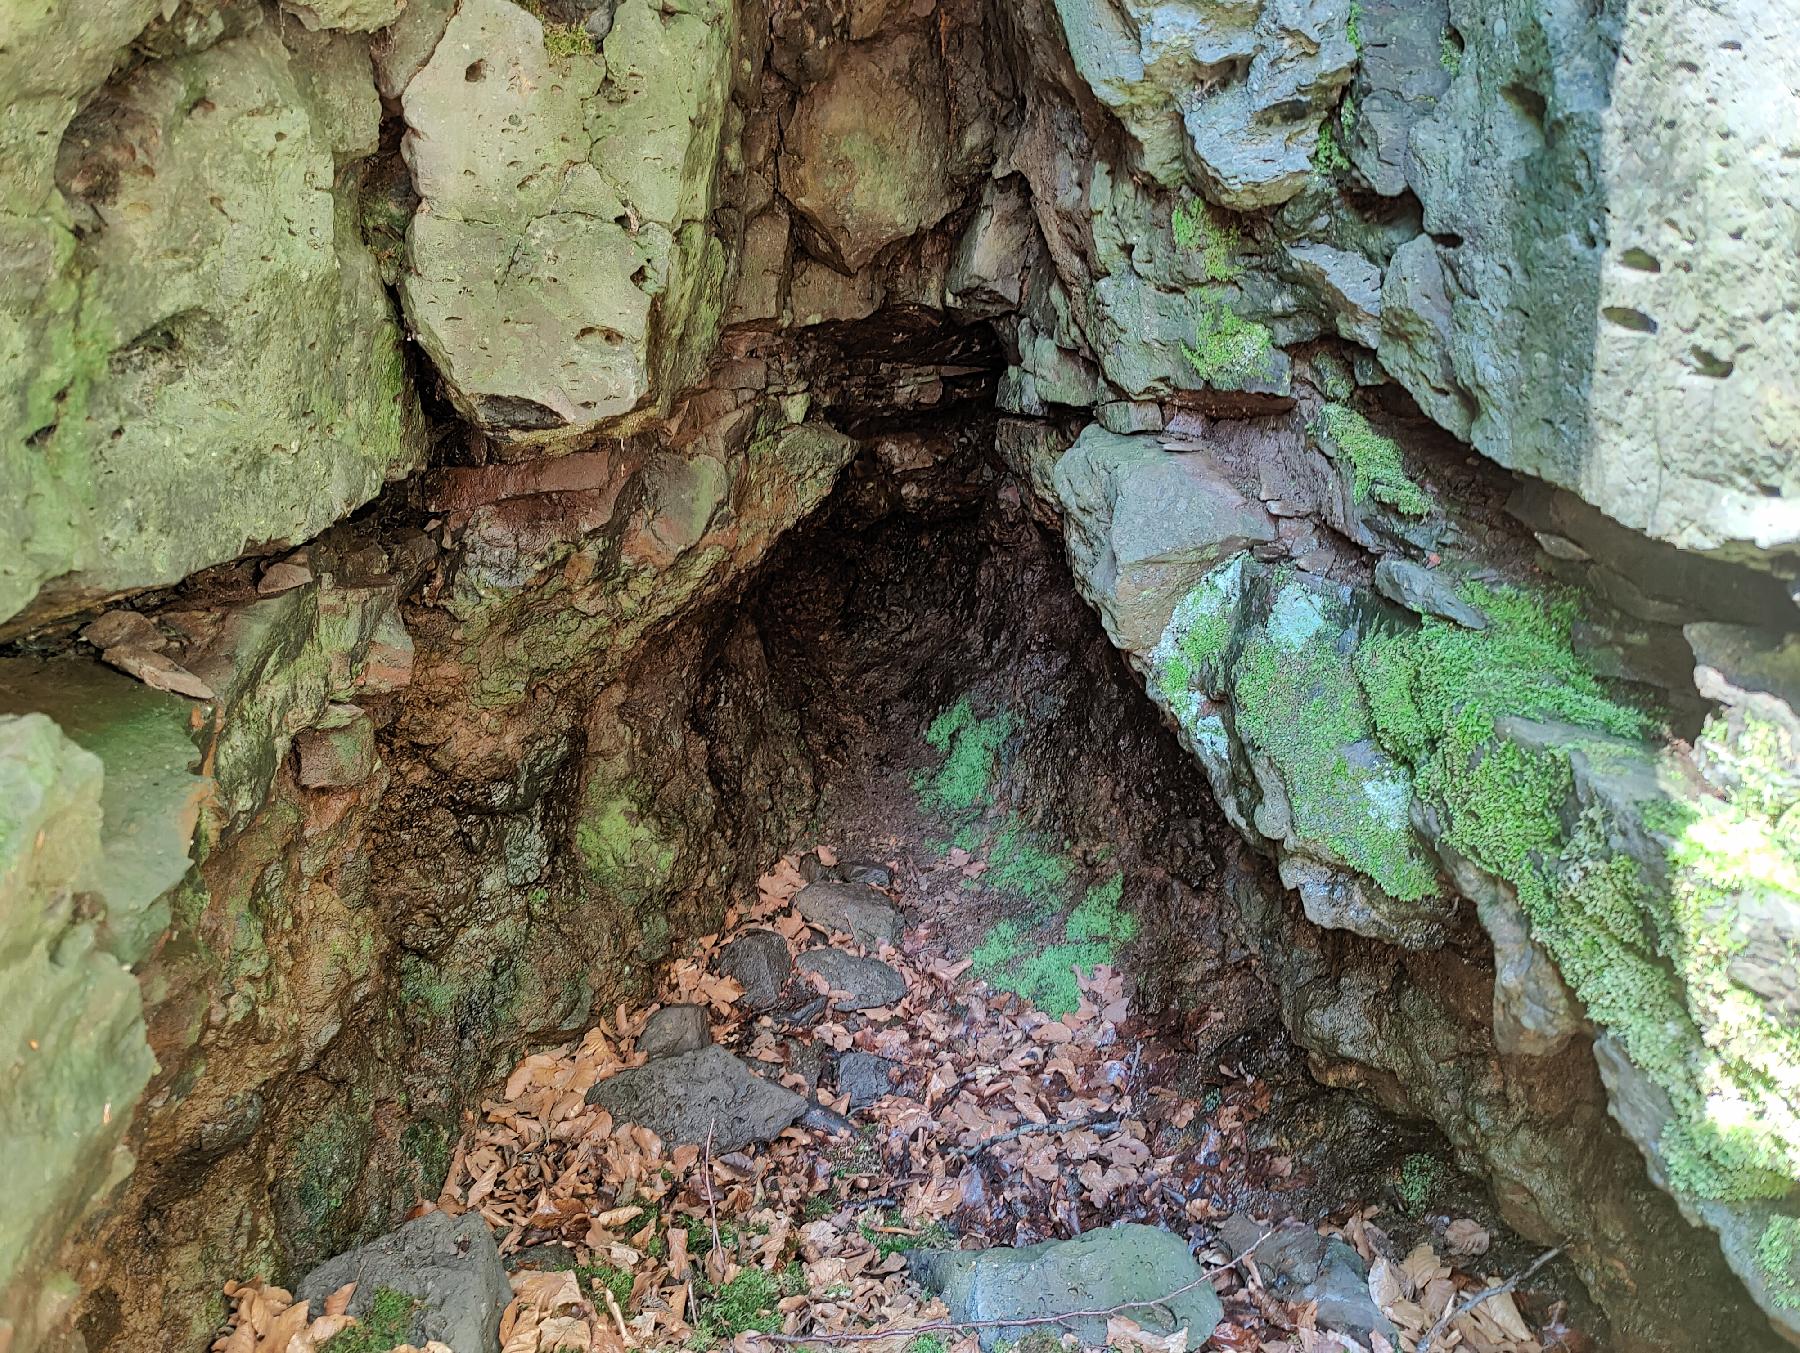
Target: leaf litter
(1010,1127)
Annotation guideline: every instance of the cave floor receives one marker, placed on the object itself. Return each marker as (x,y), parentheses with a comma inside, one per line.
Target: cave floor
(1007,1117)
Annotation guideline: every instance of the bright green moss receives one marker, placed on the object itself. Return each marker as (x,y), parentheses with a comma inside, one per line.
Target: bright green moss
(1353,25)
(1228,350)
(1296,708)
(1195,228)
(972,752)
(1450,56)
(387,1324)
(1018,865)
(1012,957)
(603,1278)
(1649,962)
(1376,469)
(1419,1176)
(1199,633)
(1777,1253)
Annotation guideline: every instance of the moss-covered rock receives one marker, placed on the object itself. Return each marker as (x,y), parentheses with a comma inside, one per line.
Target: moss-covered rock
(197,246)
(72,1041)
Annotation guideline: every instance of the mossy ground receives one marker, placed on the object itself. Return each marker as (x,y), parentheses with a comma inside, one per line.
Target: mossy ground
(1036,954)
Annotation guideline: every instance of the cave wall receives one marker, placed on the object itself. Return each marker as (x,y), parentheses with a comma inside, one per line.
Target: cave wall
(425,384)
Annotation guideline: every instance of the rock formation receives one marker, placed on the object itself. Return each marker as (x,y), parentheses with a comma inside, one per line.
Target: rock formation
(414,406)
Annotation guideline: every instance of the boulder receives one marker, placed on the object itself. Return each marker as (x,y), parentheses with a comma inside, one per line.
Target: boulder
(449,1265)
(1557,346)
(1302,1266)
(675,1029)
(759,962)
(593,175)
(864,157)
(1144,525)
(696,1097)
(853,909)
(219,257)
(1091,1272)
(867,982)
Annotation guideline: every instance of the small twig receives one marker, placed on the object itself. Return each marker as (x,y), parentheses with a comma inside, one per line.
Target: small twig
(1097,1124)
(712,1204)
(1017,1322)
(1453,1313)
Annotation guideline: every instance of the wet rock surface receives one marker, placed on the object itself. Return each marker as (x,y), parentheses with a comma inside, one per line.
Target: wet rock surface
(675,1029)
(865,1077)
(758,961)
(853,909)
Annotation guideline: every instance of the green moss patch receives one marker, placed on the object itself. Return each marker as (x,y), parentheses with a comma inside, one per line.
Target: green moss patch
(971,747)
(1228,350)
(1036,965)
(1376,469)
(1194,227)
(747,1302)
(387,1324)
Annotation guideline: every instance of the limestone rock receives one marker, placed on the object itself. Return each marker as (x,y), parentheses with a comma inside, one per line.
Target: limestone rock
(1144,525)
(675,1029)
(72,1026)
(1409,56)
(758,960)
(853,909)
(693,1096)
(1565,344)
(218,257)
(593,175)
(1091,1272)
(866,982)
(450,1265)
(864,156)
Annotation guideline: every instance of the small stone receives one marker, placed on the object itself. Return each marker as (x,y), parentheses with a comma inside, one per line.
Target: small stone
(1419,589)
(675,1029)
(696,1096)
(758,960)
(281,577)
(871,872)
(865,1077)
(450,1264)
(125,627)
(157,671)
(869,981)
(855,909)
(1303,1266)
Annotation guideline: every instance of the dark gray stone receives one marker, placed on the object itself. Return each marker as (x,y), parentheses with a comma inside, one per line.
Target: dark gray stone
(1300,1265)
(675,1029)
(684,1098)
(760,963)
(872,872)
(1091,1272)
(855,909)
(1419,589)
(869,981)
(865,1077)
(450,1263)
